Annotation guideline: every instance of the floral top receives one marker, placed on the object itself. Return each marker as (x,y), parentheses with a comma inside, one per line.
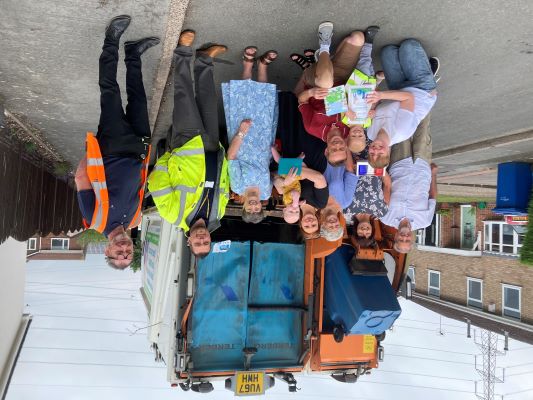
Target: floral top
(368,199)
(259,102)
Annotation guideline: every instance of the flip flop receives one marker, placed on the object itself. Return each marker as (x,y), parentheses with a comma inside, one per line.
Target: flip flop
(249,54)
(301,61)
(267,58)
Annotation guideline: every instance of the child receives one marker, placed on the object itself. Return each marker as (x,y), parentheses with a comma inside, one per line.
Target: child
(291,200)
(364,73)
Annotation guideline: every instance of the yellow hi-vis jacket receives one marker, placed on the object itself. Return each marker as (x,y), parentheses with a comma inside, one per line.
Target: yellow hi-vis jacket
(177,181)
(96,174)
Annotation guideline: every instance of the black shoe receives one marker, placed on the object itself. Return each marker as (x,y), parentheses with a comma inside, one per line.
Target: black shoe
(116,27)
(370,33)
(434,62)
(138,47)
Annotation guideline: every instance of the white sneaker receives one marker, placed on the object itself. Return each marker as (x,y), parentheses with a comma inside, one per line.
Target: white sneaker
(325,33)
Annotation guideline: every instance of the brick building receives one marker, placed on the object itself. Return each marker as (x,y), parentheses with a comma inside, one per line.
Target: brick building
(54,247)
(469,256)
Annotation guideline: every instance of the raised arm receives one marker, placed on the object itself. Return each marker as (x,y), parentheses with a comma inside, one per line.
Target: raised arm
(319,182)
(81,178)
(406,99)
(317,93)
(236,142)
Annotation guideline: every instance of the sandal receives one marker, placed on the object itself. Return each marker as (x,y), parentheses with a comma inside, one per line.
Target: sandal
(310,55)
(301,61)
(268,57)
(249,54)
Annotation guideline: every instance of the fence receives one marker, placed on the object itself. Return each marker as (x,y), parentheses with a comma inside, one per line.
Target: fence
(32,200)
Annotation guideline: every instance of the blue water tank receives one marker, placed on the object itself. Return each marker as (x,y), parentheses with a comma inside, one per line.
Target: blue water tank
(362,305)
(514,188)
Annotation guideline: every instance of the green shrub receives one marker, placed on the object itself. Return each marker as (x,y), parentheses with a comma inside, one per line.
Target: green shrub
(137,255)
(90,236)
(526,253)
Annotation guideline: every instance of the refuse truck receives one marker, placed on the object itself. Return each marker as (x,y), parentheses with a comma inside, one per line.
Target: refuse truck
(265,307)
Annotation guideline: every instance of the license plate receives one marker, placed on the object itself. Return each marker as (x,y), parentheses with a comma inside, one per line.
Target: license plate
(250,383)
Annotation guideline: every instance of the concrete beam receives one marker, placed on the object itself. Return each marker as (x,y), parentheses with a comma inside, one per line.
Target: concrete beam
(514,138)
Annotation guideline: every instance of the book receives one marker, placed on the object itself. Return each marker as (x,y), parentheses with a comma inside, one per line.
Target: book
(285,165)
(357,87)
(335,102)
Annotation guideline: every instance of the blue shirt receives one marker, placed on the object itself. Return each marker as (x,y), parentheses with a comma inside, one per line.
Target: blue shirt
(123,178)
(341,184)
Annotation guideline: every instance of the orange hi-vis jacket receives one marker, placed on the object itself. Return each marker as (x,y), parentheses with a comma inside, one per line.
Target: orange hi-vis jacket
(96,174)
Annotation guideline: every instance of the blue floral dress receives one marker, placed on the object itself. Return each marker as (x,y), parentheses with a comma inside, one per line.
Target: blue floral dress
(259,102)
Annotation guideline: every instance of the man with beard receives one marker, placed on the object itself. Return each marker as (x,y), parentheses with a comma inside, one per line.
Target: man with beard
(414,187)
(110,179)
(190,182)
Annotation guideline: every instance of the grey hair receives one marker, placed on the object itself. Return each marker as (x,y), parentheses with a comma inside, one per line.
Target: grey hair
(331,236)
(253,218)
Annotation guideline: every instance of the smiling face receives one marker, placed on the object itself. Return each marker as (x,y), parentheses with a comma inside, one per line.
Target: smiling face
(119,251)
(364,229)
(291,214)
(356,139)
(252,202)
(330,219)
(403,240)
(336,150)
(200,240)
(309,223)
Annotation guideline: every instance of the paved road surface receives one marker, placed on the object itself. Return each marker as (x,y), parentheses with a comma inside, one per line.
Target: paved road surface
(48,67)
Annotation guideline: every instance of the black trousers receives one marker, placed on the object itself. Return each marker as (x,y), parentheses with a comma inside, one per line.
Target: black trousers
(192,115)
(122,134)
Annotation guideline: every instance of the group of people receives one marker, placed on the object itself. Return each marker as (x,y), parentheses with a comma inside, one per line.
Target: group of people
(191,182)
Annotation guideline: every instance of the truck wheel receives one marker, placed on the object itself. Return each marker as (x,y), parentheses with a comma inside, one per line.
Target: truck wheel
(381,336)
(338,333)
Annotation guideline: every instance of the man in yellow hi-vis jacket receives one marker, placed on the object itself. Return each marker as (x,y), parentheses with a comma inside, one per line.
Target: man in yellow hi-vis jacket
(190,182)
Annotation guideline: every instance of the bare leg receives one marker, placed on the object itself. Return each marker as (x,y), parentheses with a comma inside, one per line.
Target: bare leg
(324,71)
(247,70)
(299,88)
(262,75)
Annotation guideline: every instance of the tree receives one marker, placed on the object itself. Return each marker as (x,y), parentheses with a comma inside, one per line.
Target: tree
(526,253)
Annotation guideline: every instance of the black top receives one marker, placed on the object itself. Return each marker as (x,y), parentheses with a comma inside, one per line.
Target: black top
(206,201)
(293,136)
(123,178)
(318,198)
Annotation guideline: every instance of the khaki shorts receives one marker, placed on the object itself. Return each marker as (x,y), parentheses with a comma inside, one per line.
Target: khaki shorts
(417,146)
(344,62)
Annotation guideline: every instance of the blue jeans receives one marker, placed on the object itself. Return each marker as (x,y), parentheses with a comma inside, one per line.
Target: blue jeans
(407,65)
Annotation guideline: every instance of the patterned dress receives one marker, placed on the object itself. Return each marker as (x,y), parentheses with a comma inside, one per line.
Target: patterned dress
(259,102)
(368,197)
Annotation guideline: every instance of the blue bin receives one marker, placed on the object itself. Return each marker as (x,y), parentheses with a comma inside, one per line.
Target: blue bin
(362,305)
(514,188)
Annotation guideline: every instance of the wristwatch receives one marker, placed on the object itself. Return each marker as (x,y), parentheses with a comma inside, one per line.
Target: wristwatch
(241,134)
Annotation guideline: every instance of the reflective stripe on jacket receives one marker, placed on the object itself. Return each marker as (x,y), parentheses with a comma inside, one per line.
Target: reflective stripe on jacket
(177,182)
(96,174)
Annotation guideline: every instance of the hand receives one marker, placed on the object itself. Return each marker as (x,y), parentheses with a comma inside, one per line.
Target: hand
(245,125)
(318,93)
(371,114)
(351,115)
(291,177)
(373,97)
(434,169)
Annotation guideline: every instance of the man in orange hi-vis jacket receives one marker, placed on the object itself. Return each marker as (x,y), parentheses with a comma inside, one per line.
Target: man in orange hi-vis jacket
(110,178)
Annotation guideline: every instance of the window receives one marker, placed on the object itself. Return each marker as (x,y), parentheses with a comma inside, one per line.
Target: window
(32,244)
(59,244)
(474,292)
(434,283)
(411,274)
(503,238)
(511,301)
